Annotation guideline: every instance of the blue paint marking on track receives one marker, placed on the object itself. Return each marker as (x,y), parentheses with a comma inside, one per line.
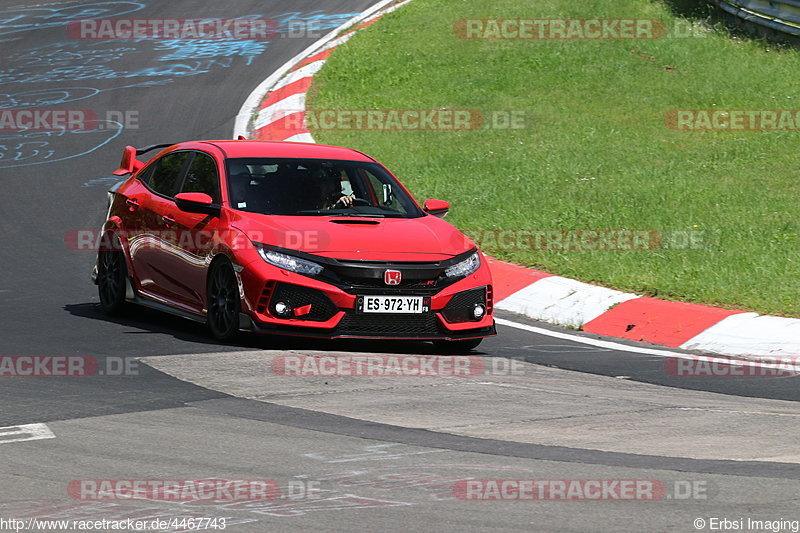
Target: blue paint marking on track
(181,50)
(19,149)
(318,20)
(78,60)
(97,60)
(62,95)
(29,18)
(102,181)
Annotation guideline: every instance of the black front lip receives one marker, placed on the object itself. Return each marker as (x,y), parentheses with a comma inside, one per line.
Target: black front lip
(333,333)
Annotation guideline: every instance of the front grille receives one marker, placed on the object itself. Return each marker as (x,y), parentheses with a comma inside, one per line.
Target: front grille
(460,306)
(371,282)
(379,283)
(366,277)
(322,308)
(423,325)
(381,289)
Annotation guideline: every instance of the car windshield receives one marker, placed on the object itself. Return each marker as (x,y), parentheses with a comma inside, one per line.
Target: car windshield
(316,187)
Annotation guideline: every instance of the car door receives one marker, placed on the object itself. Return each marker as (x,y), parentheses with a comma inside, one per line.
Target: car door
(134,219)
(151,245)
(192,238)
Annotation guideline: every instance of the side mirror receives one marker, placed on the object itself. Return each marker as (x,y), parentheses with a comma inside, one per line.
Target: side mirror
(196,202)
(437,208)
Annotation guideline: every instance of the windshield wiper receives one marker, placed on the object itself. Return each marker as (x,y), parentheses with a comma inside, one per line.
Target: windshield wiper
(329,213)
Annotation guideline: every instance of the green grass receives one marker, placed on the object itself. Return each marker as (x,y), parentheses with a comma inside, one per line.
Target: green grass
(596,152)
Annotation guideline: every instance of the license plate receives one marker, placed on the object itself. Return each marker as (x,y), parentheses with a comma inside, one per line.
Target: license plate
(394,304)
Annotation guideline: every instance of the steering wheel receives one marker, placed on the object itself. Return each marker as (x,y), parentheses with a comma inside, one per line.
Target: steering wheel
(356,201)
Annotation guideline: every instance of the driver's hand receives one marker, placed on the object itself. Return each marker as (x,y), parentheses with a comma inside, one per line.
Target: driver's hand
(347,201)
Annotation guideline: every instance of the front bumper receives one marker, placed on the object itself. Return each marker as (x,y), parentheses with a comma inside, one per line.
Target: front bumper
(332,310)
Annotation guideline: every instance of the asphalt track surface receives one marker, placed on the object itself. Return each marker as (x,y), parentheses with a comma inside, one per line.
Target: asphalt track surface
(152,425)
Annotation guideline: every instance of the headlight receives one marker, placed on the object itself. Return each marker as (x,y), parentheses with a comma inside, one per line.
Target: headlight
(287,262)
(465,267)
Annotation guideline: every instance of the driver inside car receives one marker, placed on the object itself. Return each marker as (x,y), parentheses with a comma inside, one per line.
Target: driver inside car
(330,191)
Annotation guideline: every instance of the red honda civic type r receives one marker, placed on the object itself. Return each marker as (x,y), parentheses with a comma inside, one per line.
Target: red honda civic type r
(289,238)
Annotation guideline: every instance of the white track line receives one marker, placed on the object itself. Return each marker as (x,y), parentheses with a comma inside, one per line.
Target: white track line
(306,71)
(635,349)
(25,432)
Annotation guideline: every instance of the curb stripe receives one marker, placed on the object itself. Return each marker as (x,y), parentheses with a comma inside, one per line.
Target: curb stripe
(279,131)
(657,321)
(563,301)
(300,138)
(322,56)
(306,71)
(286,96)
(272,117)
(748,334)
(297,87)
(250,105)
(508,278)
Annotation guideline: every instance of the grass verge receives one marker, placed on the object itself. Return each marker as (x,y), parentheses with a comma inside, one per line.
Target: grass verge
(595,152)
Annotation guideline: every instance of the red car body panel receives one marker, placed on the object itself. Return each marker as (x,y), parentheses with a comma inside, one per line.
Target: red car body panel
(168,252)
(389,239)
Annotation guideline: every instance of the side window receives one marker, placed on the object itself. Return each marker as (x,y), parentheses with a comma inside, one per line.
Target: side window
(145,176)
(202,177)
(384,192)
(166,173)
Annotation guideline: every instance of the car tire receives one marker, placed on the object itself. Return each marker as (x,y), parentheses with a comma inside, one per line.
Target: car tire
(112,273)
(457,346)
(223,301)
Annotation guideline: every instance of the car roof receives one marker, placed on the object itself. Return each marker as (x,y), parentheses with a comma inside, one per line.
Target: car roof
(233,149)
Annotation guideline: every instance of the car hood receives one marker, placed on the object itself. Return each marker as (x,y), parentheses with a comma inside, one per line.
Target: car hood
(426,238)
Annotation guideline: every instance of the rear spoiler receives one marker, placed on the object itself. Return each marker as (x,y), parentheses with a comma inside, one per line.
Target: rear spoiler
(129,163)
